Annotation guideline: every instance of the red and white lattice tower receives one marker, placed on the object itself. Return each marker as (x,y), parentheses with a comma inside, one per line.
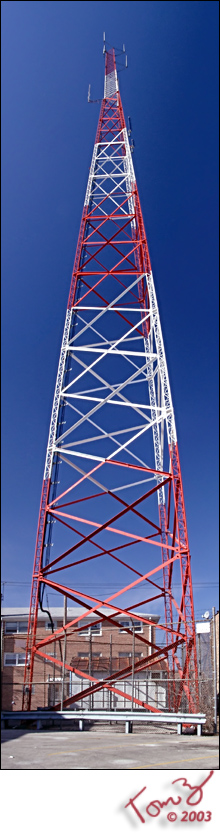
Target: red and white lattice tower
(112,435)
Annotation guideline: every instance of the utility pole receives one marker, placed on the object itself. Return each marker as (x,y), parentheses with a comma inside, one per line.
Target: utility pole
(200,673)
(90,662)
(110,668)
(214,670)
(182,663)
(54,674)
(64,650)
(132,673)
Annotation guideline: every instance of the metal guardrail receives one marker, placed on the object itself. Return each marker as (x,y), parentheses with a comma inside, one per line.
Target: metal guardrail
(129,717)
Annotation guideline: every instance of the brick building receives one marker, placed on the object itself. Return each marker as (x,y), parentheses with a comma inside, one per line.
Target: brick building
(217,649)
(99,652)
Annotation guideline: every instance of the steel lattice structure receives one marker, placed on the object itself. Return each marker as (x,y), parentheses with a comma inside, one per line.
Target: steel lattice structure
(112,432)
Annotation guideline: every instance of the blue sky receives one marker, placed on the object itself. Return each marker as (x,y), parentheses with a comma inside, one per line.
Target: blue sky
(51,51)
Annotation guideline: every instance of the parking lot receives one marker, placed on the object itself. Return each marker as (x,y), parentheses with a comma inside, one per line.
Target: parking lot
(107,748)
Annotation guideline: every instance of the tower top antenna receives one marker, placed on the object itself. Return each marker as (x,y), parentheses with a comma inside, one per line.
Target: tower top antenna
(111,79)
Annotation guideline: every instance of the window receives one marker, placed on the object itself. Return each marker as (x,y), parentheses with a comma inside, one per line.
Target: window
(123,626)
(128,625)
(11,659)
(137,625)
(14,659)
(83,655)
(12,627)
(48,625)
(21,658)
(126,653)
(95,630)
(22,627)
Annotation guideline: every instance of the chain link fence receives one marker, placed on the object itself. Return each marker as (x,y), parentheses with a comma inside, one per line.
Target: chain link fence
(158,689)
(154,692)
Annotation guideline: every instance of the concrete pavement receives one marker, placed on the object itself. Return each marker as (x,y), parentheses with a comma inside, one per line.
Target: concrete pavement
(107,749)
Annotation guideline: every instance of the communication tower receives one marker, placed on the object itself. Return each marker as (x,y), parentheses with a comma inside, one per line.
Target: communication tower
(112,497)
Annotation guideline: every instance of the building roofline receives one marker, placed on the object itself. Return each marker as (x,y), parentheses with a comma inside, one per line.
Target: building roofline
(72,612)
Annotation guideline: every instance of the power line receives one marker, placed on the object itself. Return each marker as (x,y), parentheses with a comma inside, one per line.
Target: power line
(110,585)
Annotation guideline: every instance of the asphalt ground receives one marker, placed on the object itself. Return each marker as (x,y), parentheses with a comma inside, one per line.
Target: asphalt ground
(107,749)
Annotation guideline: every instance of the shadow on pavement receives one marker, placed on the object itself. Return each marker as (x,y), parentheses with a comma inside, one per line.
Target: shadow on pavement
(12,734)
